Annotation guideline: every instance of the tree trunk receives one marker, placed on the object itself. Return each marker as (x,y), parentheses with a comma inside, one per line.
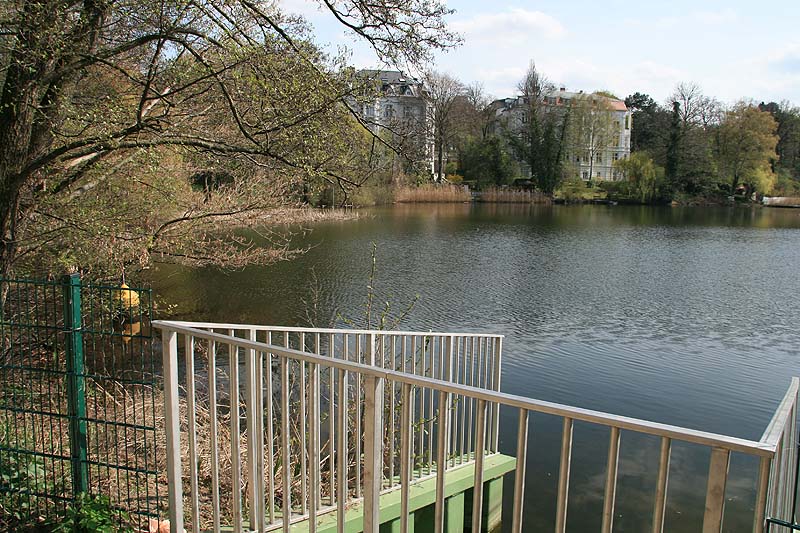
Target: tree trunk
(440,158)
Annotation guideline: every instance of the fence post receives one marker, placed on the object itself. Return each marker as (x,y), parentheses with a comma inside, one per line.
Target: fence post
(76,383)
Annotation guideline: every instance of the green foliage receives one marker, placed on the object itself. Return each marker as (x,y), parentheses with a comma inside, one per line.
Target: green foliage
(577,190)
(93,514)
(746,143)
(786,184)
(650,125)
(20,475)
(486,162)
(644,177)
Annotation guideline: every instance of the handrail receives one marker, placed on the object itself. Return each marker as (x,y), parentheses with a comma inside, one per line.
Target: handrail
(294,329)
(774,429)
(576,413)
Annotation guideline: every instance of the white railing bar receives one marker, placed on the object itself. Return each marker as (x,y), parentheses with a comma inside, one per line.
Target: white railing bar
(431,393)
(392,398)
(251,401)
(259,396)
(332,422)
(462,407)
(341,487)
(236,461)
(519,475)
(612,468)
(191,410)
(212,402)
(443,436)
(169,341)
(270,434)
(577,413)
(285,451)
(562,499)
(471,400)
(373,453)
(480,446)
(779,419)
(498,350)
(761,494)
(313,430)
(406,443)
(295,329)
(661,485)
(715,493)
(302,427)
(359,380)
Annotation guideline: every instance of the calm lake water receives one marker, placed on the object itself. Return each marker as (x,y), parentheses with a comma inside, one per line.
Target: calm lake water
(686,316)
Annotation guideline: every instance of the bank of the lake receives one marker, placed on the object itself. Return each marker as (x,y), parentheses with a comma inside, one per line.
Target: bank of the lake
(680,315)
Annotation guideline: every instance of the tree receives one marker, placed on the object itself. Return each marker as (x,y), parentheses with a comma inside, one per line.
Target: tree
(90,84)
(592,127)
(485,162)
(746,144)
(643,175)
(787,117)
(650,125)
(540,138)
(673,148)
(443,93)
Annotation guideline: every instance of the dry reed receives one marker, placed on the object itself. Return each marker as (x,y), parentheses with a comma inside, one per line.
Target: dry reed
(513,196)
(433,194)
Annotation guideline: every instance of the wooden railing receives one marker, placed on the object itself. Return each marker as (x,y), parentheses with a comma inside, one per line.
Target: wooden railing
(447,417)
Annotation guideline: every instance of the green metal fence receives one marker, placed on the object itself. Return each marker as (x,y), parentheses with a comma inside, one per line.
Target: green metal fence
(78,400)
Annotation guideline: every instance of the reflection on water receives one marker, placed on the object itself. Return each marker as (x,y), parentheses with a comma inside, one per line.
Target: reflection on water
(681,315)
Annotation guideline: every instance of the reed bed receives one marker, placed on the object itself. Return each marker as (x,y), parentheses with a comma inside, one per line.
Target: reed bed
(433,193)
(513,196)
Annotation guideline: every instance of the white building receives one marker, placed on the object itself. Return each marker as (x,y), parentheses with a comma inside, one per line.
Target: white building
(401,109)
(591,158)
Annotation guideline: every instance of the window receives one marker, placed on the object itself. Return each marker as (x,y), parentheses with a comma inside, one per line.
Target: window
(524,118)
(616,156)
(388,111)
(599,158)
(598,174)
(586,174)
(370,110)
(627,122)
(407,111)
(577,159)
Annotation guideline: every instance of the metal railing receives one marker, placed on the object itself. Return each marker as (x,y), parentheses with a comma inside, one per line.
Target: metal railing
(448,420)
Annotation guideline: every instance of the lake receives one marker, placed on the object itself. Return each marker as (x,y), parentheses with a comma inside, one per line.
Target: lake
(687,316)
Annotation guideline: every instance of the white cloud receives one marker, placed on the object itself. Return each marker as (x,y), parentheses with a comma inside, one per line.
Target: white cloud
(714,18)
(512,26)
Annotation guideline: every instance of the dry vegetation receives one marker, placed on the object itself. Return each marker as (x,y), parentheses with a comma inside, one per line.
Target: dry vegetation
(513,196)
(433,193)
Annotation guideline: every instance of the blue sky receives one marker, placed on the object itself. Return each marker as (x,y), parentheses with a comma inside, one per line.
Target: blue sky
(732,49)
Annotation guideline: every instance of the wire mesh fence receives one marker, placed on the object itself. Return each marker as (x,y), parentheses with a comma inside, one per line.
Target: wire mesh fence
(78,400)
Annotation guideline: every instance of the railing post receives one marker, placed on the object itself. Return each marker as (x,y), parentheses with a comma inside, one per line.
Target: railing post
(373,453)
(498,357)
(715,492)
(443,439)
(169,341)
(76,383)
(254,453)
(762,490)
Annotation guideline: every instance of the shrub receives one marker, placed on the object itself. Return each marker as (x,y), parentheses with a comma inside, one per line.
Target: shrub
(93,514)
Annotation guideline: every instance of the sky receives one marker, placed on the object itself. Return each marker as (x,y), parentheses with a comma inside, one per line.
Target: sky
(732,49)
